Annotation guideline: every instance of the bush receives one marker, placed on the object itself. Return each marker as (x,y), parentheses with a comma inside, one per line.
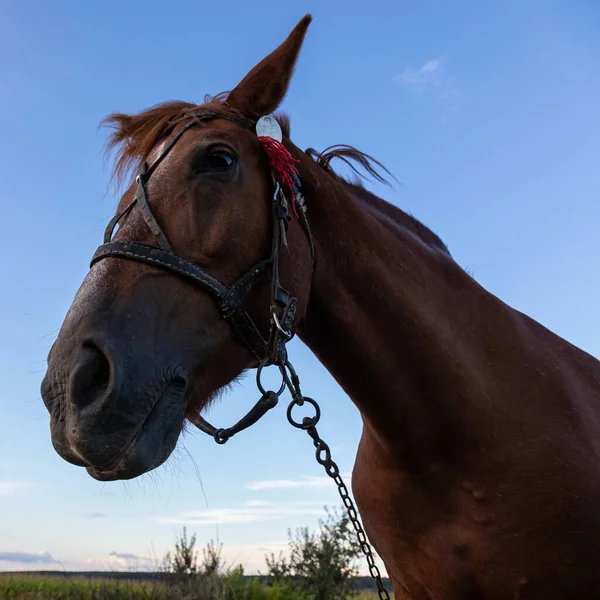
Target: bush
(184,560)
(320,564)
(210,579)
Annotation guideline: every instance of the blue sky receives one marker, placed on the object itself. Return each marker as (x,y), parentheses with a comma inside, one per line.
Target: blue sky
(486,112)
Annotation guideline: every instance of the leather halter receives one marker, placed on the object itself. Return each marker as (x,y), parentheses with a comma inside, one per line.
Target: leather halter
(229,299)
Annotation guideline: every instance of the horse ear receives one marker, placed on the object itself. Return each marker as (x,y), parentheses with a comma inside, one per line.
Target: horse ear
(264,87)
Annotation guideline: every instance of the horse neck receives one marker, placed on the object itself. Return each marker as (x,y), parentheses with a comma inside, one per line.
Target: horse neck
(393,318)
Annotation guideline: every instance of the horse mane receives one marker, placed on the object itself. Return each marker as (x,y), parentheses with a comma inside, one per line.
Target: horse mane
(134,136)
(349,155)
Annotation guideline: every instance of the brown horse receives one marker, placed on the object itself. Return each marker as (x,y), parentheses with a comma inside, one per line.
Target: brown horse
(478,471)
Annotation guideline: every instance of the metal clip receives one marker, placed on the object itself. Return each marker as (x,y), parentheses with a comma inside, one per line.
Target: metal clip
(277,189)
(285,333)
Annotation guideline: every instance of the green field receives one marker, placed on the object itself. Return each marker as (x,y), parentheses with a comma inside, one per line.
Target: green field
(232,587)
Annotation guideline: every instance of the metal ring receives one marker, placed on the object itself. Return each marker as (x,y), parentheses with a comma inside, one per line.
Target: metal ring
(220,436)
(259,384)
(307,422)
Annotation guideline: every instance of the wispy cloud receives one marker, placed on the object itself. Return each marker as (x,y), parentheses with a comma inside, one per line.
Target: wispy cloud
(27,557)
(428,78)
(278,484)
(8,488)
(244,514)
(127,556)
(96,515)
(427,75)
(121,560)
(129,561)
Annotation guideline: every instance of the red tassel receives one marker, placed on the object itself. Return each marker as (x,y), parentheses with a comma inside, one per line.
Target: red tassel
(282,163)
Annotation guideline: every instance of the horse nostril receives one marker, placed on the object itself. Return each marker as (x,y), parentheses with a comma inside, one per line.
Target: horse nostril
(91,376)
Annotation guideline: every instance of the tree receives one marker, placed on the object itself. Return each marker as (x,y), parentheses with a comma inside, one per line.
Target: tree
(184,560)
(212,562)
(321,564)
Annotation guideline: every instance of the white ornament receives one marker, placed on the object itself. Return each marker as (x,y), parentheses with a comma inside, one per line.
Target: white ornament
(269,127)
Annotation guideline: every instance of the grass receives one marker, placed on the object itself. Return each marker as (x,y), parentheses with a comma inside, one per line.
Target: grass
(32,587)
(232,587)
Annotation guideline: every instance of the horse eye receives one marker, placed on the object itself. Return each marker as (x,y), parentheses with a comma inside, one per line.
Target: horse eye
(215,158)
(218,159)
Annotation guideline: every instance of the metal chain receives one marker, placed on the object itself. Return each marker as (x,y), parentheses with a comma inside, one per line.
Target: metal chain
(323,456)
